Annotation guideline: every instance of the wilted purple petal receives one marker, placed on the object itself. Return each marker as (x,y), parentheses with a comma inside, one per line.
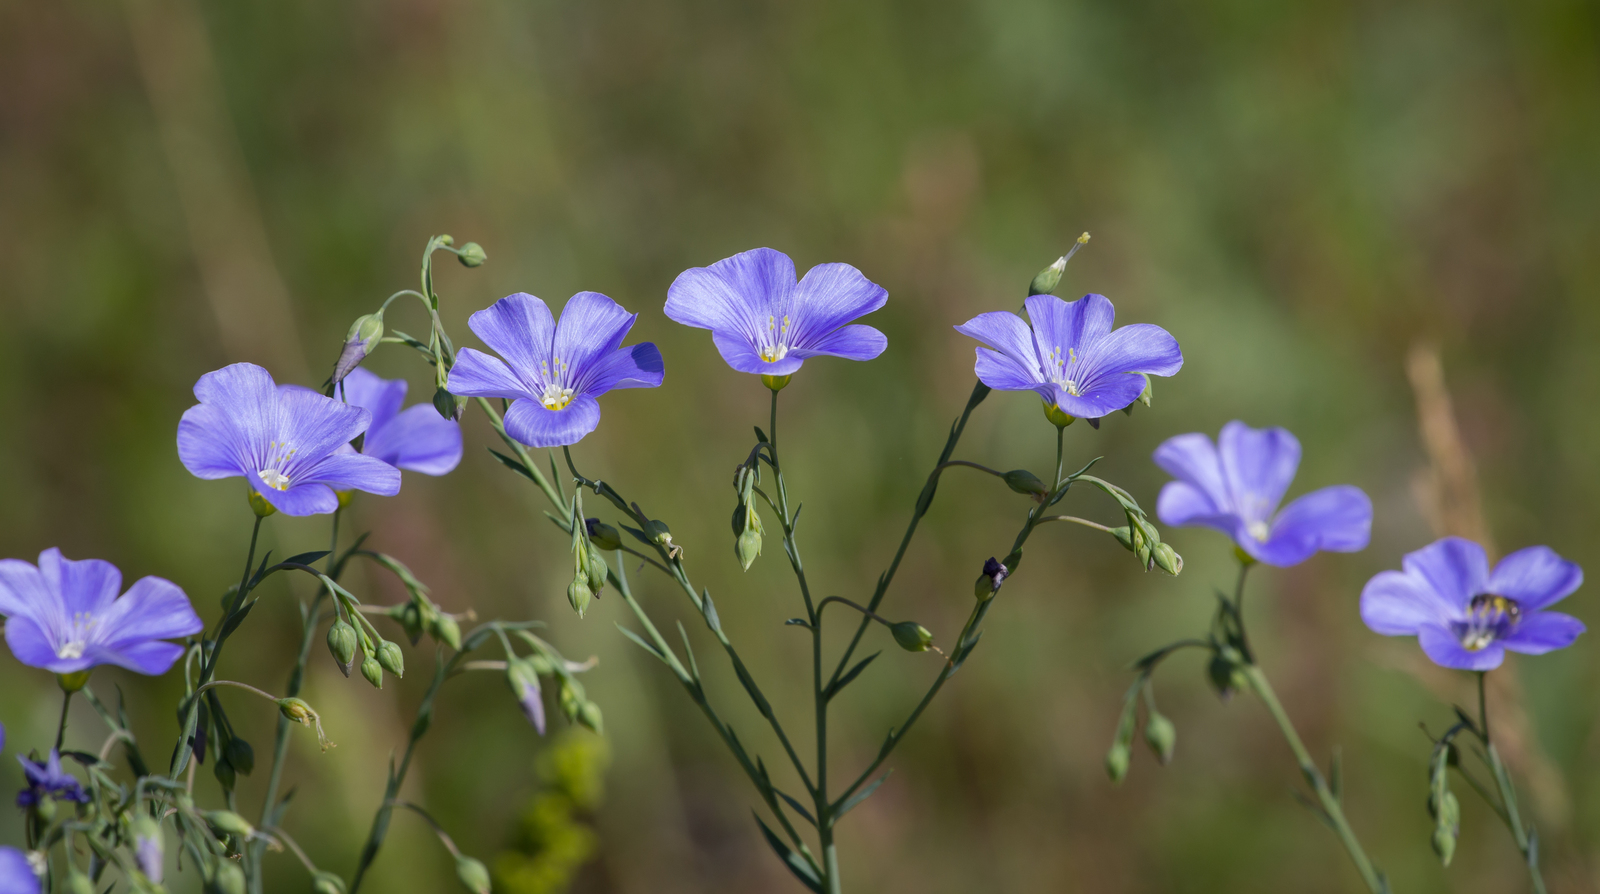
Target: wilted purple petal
(1535,577)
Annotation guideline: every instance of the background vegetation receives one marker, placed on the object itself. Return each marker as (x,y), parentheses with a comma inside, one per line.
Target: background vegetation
(1299,191)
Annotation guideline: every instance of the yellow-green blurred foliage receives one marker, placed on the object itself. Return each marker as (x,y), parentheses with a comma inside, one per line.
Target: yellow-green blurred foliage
(553,840)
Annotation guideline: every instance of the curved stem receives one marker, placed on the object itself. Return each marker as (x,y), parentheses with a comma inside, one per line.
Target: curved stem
(1526,841)
(1075,520)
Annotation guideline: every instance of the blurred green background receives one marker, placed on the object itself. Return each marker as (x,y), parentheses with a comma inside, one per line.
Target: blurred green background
(1298,191)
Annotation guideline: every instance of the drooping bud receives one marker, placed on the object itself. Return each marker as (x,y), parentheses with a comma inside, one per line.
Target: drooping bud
(323,882)
(660,534)
(473,874)
(1161,735)
(579,595)
(224,772)
(259,504)
(342,644)
(589,715)
(1118,756)
(471,255)
(602,535)
(569,695)
(77,882)
(1167,559)
(1025,482)
(988,583)
(597,572)
(1057,416)
(523,678)
(911,636)
(1045,282)
(148,847)
(241,755)
(297,710)
(229,823)
(1124,536)
(1442,805)
(364,335)
(409,616)
(373,671)
(445,629)
(1225,676)
(228,878)
(448,405)
(1117,761)
(392,659)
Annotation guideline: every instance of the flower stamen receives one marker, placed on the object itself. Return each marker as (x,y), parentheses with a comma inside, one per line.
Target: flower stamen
(1489,617)
(273,475)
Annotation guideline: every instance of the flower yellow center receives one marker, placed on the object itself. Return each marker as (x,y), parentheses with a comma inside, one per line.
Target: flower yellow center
(273,475)
(1489,617)
(776,345)
(1056,370)
(556,395)
(76,639)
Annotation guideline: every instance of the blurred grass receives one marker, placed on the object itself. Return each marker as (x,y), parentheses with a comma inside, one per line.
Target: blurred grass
(1297,191)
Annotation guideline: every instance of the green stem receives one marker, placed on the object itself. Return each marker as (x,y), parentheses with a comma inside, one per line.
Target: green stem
(1526,842)
(61,728)
(1331,808)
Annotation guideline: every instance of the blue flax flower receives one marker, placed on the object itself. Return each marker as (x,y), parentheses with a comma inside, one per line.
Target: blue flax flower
(1070,356)
(1236,486)
(47,779)
(16,873)
(553,371)
(1464,615)
(283,440)
(763,321)
(64,616)
(416,439)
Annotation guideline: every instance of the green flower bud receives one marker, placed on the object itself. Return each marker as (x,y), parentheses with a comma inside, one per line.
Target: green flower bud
(241,755)
(1117,761)
(1047,279)
(776,383)
(409,617)
(363,337)
(297,710)
(1057,416)
(473,874)
(448,405)
(259,504)
(1161,735)
(589,715)
(1124,536)
(326,883)
(1167,559)
(471,255)
(1225,676)
(45,807)
(597,572)
(77,882)
(342,644)
(1025,482)
(748,546)
(228,878)
(229,823)
(911,636)
(579,594)
(603,535)
(570,697)
(224,771)
(373,671)
(445,629)
(392,659)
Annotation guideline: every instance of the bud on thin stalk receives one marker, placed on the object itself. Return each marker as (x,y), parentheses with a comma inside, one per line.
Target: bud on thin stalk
(911,636)
(471,255)
(473,874)
(373,671)
(1025,482)
(342,644)
(602,535)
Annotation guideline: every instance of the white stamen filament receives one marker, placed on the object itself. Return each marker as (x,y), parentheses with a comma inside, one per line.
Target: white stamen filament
(76,640)
(556,395)
(273,475)
(776,345)
(1056,370)
(1260,530)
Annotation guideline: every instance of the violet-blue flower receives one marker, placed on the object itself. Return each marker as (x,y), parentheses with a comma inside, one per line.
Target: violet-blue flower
(1071,356)
(553,372)
(1466,616)
(416,439)
(1236,485)
(283,440)
(763,321)
(64,616)
(46,778)
(16,873)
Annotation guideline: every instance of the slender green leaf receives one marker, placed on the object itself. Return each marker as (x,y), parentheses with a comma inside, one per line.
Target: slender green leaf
(798,808)
(860,796)
(796,863)
(512,464)
(641,643)
(849,676)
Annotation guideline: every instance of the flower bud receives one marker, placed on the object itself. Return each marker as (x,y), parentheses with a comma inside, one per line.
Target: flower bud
(392,659)
(1117,761)
(373,671)
(579,594)
(445,629)
(1124,536)
(241,755)
(523,678)
(1025,482)
(1122,743)
(473,874)
(228,878)
(409,617)
(589,715)
(1161,735)
(603,535)
(748,546)
(229,823)
(297,710)
(776,383)
(1047,279)
(911,636)
(597,572)
(1057,416)
(323,882)
(658,532)
(1167,559)
(224,772)
(148,847)
(342,643)
(259,504)
(988,583)
(45,808)
(570,697)
(77,882)
(364,335)
(448,405)
(471,255)
(1225,676)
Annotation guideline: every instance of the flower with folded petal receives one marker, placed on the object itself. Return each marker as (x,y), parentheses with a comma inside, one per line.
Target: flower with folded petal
(416,439)
(1466,616)
(763,321)
(285,441)
(1070,356)
(46,778)
(64,616)
(553,372)
(16,872)
(1236,486)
